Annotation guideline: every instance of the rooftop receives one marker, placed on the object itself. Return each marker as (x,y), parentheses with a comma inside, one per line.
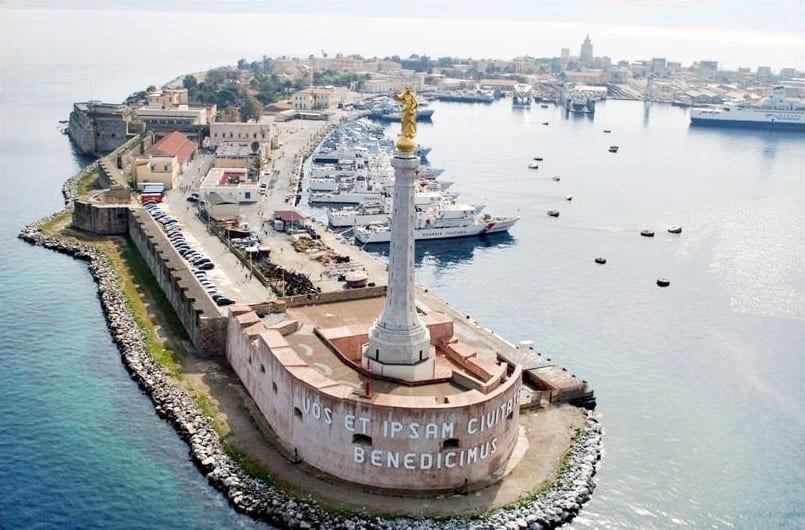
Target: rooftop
(174,144)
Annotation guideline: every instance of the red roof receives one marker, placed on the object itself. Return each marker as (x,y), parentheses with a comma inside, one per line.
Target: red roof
(174,144)
(289,216)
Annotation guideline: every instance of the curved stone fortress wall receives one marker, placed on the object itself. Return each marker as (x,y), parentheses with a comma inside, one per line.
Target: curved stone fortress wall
(393,442)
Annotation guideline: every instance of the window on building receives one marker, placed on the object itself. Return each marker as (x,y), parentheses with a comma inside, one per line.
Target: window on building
(510,416)
(248,195)
(451,443)
(274,386)
(297,412)
(361,439)
(262,368)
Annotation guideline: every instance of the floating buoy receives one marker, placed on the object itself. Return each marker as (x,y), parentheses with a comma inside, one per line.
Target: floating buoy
(663,282)
(647,233)
(556,178)
(553,213)
(600,260)
(675,229)
(568,197)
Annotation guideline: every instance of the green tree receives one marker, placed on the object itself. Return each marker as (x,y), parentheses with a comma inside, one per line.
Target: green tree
(190,82)
(252,109)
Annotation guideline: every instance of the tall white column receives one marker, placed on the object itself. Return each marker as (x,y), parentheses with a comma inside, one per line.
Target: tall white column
(399,343)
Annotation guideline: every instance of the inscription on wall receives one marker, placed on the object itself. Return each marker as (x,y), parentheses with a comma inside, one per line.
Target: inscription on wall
(448,451)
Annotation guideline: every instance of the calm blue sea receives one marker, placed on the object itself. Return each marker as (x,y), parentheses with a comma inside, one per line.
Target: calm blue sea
(699,385)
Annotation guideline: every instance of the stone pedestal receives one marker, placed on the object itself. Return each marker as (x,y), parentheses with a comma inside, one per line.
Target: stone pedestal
(399,343)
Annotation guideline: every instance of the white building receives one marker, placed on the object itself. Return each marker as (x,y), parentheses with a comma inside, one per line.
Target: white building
(229,183)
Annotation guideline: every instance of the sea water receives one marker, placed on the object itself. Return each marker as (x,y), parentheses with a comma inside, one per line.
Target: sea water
(698,384)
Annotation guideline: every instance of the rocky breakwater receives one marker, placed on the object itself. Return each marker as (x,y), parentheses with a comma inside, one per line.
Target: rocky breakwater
(261,500)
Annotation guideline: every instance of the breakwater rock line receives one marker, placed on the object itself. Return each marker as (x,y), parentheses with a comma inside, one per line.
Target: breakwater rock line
(261,500)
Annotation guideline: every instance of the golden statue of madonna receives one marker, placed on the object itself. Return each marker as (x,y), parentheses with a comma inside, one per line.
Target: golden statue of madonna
(408,104)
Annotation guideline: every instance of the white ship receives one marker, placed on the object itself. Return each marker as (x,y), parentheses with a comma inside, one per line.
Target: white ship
(521,95)
(442,221)
(774,112)
(379,212)
(361,215)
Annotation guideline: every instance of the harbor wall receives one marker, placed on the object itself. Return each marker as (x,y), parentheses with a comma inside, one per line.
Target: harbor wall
(203,321)
(402,444)
(114,166)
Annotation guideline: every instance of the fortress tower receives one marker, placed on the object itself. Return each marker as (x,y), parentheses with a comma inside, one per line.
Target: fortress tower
(399,343)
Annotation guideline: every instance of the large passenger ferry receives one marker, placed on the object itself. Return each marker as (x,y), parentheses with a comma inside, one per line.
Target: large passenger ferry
(775,112)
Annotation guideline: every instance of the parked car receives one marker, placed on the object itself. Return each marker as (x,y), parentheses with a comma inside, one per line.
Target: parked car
(207,266)
(224,301)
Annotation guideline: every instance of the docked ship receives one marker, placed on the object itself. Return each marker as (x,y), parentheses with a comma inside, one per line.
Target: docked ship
(578,102)
(465,96)
(443,221)
(774,112)
(379,212)
(390,112)
(521,95)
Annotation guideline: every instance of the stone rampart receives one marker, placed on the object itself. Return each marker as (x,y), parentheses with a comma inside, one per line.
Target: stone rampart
(201,318)
(114,166)
(335,296)
(399,443)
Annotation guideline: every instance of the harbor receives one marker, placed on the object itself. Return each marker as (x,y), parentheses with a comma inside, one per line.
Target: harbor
(693,381)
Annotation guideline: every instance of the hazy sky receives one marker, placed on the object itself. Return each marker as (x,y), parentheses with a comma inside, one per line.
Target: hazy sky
(735,33)
(754,15)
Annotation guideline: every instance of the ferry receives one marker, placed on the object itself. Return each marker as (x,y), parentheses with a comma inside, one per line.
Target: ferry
(774,112)
(444,221)
(465,96)
(521,95)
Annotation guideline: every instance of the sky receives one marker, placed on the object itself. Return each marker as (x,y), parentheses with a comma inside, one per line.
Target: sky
(735,33)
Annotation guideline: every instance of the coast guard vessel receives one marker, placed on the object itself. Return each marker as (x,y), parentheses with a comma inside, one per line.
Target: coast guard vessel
(774,112)
(441,221)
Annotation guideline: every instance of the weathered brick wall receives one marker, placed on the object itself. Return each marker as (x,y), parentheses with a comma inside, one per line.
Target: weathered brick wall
(201,318)
(102,219)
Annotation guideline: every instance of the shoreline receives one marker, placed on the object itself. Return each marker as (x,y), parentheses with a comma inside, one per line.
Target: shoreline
(551,507)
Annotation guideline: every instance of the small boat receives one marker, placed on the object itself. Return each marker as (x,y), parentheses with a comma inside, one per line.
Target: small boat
(555,178)
(553,213)
(544,105)
(538,158)
(663,282)
(613,148)
(647,233)
(62,121)
(607,131)
(533,165)
(545,123)
(675,229)
(600,260)
(568,197)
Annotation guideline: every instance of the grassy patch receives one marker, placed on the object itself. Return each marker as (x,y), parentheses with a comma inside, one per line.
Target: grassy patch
(252,468)
(210,410)
(59,220)
(86,182)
